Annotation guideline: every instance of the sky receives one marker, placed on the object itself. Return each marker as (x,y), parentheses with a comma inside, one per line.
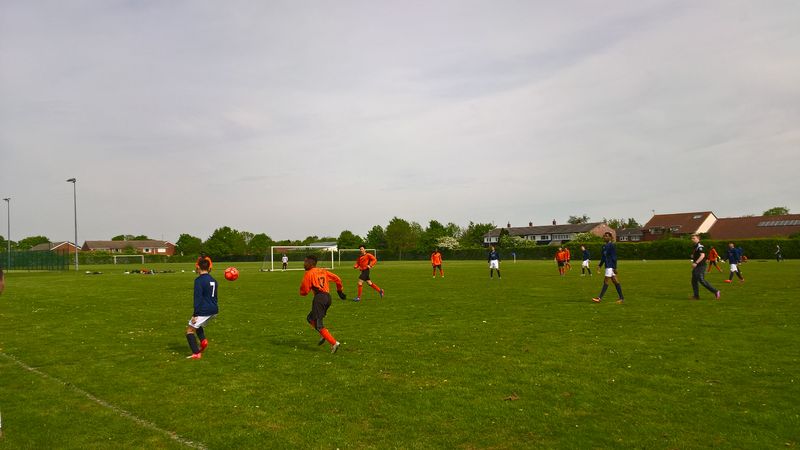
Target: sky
(308,118)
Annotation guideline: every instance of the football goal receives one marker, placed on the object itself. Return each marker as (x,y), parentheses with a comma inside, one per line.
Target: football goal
(124,258)
(294,255)
(351,254)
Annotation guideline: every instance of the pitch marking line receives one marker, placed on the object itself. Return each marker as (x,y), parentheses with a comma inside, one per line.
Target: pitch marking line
(119,411)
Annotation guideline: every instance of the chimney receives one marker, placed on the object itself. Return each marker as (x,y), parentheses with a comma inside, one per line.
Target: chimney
(530,224)
(554,221)
(508,225)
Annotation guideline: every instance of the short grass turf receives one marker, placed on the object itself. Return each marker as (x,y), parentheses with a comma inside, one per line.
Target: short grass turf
(465,361)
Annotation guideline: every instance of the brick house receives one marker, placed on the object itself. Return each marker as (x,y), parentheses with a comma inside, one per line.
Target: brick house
(678,225)
(547,234)
(146,247)
(62,248)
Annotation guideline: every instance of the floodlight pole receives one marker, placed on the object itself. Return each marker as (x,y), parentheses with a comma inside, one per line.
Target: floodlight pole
(75,207)
(8,237)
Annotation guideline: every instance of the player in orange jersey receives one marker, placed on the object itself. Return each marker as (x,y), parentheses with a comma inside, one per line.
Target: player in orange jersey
(713,257)
(364,263)
(567,265)
(318,280)
(561,258)
(436,262)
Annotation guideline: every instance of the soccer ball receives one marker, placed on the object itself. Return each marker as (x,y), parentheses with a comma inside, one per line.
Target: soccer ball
(231,273)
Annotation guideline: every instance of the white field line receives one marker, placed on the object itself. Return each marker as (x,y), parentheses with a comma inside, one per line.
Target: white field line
(119,411)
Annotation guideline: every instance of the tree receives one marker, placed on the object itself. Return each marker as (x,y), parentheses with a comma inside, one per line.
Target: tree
(123,237)
(453,230)
(259,244)
(348,240)
(141,237)
(473,234)
(225,241)
(622,223)
(28,242)
(399,236)
(578,219)
(188,245)
(776,211)
(587,237)
(431,235)
(376,237)
(448,242)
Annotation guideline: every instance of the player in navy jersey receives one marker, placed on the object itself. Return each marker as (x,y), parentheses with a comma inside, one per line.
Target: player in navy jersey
(699,269)
(205,309)
(608,257)
(585,264)
(734,260)
(494,262)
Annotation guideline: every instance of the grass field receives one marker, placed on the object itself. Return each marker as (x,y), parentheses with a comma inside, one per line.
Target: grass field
(98,361)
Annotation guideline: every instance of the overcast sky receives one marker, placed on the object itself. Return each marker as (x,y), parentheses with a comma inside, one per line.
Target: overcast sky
(308,118)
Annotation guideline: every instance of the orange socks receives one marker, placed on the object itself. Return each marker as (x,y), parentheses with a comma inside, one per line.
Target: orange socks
(375,286)
(327,335)
(359,290)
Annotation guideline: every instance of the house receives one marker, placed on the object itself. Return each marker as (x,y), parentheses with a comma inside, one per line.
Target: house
(630,234)
(145,247)
(62,248)
(546,234)
(731,228)
(677,225)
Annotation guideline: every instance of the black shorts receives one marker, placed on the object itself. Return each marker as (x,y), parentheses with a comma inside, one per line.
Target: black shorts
(364,275)
(437,266)
(560,263)
(319,308)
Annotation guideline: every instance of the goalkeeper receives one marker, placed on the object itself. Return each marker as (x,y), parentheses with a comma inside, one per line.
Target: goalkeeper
(317,280)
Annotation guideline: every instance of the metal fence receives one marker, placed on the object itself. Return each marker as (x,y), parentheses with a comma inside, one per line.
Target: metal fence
(34,261)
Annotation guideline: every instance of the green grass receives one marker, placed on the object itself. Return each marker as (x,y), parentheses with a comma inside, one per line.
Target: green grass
(461,362)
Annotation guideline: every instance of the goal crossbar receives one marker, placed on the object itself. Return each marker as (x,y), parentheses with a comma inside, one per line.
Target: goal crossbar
(141,257)
(284,248)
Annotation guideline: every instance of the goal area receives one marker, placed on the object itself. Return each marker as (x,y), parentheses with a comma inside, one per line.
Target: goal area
(352,254)
(124,258)
(295,255)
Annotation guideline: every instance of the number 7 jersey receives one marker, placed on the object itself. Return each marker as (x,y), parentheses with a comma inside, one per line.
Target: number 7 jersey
(317,280)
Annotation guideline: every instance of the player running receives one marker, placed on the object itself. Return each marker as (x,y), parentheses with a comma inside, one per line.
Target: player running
(205,308)
(494,262)
(364,263)
(318,280)
(734,260)
(608,257)
(699,270)
(436,262)
(585,263)
(567,265)
(713,257)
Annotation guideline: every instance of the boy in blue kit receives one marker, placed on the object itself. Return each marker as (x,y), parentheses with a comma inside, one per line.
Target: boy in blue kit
(494,262)
(585,263)
(205,309)
(608,258)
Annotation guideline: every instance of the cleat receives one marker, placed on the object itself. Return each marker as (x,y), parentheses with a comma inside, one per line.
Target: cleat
(727,281)
(321,341)
(203,345)
(381,292)
(195,356)
(596,299)
(620,301)
(717,294)
(357,299)
(335,347)
(741,281)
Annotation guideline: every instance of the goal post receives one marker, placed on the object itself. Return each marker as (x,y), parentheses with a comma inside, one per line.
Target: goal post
(295,255)
(351,250)
(139,257)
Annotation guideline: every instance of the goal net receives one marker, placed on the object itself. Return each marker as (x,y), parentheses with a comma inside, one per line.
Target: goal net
(352,254)
(125,258)
(294,255)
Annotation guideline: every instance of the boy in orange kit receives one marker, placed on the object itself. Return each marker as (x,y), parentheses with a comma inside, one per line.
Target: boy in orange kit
(436,262)
(317,280)
(365,262)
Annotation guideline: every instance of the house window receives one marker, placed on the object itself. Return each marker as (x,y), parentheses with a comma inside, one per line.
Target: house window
(674,229)
(697,216)
(623,238)
(544,237)
(560,237)
(162,250)
(636,238)
(146,250)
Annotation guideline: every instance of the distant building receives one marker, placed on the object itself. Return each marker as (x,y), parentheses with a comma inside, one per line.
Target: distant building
(755,227)
(62,248)
(630,234)
(678,225)
(547,234)
(146,247)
